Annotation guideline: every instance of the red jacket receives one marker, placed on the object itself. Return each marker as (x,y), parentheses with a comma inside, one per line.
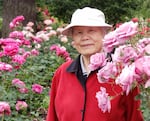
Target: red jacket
(72,101)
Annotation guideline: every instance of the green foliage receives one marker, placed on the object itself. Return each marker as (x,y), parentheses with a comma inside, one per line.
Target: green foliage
(0,25)
(143,10)
(115,10)
(39,70)
(1,3)
(145,104)
(44,14)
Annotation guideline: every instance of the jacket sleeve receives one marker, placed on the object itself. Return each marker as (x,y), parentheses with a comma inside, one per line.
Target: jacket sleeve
(133,106)
(51,115)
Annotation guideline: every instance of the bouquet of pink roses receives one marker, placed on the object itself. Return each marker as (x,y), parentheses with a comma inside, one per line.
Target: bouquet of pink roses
(128,62)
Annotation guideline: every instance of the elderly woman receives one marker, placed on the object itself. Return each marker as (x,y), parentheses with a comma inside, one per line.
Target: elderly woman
(74,86)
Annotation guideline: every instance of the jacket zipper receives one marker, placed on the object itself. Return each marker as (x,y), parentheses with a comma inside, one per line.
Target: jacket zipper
(85,94)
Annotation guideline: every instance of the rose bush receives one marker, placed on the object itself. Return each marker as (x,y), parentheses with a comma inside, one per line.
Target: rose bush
(27,62)
(125,59)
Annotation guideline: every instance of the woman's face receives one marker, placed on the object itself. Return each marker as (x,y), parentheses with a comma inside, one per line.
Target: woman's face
(87,40)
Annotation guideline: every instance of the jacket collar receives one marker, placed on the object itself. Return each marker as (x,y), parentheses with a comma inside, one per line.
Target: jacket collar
(75,65)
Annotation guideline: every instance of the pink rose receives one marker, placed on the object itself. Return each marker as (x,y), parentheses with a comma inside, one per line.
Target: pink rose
(126,78)
(124,54)
(16,21)
(34,52)
(4,108)
(5,67)
(16,34)
(48,22)
(23,90)
(64,39)
(67,58)
(147,49)
(142,69)
(37,88)
(126,30)
(135,20)
(20,105)
(53,47)
(36,39)
(11,49)
(107,72)
(119,36)
(103,100)
(143,46)
(26,54)
(147,84)
(146,65)
(18,59)
(11,25)
(30,24)
(60,51)
(110,41)
(8,41)
(97,60)
(2,54)
(18,83)
(26,42)
(51,33)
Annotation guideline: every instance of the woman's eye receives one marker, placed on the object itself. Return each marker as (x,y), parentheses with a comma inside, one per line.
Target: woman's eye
(91,30)
(78,32)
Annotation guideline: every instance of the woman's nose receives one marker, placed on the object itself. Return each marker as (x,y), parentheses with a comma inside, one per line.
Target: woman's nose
(85,36)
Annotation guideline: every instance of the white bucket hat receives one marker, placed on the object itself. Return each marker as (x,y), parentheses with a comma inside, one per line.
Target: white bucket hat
(86,17)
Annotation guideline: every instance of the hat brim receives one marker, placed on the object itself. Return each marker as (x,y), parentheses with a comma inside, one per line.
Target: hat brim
(67,30)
